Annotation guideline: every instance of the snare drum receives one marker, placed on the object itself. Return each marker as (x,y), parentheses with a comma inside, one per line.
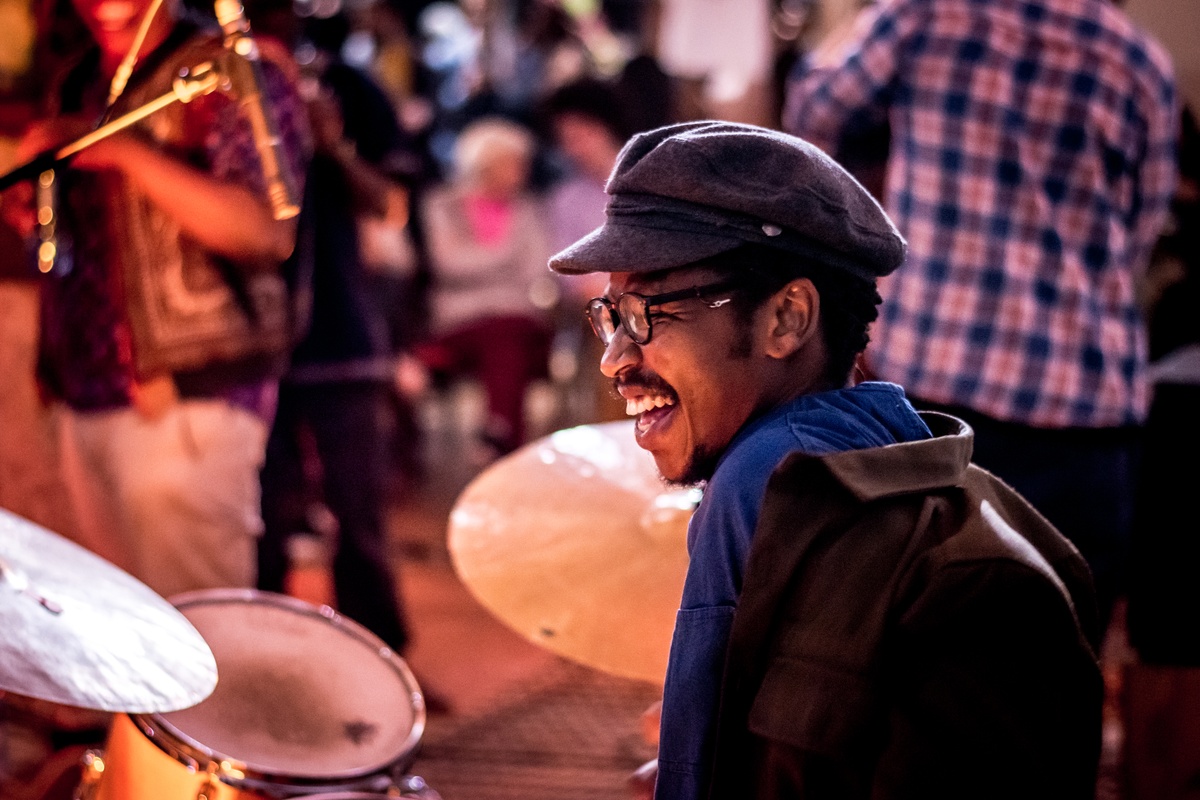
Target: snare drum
(307,702)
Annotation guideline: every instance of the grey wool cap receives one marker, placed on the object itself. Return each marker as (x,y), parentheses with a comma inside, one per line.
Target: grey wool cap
(690,191)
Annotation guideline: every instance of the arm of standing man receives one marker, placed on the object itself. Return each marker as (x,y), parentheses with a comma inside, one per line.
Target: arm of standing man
(850,72)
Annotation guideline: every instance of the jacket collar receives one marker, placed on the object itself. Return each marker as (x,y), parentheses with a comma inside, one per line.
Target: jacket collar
(908,467)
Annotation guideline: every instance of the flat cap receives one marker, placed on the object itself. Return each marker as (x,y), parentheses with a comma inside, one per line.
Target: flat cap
(690,191)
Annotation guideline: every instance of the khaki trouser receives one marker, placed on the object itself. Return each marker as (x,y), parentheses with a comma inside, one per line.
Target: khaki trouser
(174,501)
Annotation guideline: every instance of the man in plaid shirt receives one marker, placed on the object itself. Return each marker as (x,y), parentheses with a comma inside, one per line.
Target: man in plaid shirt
(1031,164)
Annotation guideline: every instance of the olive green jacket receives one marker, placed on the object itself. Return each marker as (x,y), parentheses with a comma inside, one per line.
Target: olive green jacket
(909,627)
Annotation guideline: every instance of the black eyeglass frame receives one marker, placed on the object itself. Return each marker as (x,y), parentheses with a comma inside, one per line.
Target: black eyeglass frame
(616,312)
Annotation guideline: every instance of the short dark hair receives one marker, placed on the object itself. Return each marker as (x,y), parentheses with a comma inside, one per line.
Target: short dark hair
(589,97)
(849,304)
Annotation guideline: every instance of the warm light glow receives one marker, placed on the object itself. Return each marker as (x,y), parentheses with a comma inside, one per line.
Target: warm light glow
(16,45)
(46,253)
(590,444)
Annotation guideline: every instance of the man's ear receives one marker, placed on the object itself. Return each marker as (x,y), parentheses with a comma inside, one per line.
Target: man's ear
(794,314)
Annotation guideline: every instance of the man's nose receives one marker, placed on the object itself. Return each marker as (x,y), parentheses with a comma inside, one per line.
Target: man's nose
(620,352)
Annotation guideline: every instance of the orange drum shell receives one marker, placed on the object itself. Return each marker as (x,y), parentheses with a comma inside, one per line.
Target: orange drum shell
(135,768)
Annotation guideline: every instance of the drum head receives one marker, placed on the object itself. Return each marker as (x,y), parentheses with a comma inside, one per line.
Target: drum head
(301,692)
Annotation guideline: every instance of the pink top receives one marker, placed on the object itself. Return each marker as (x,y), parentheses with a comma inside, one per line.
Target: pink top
(489,218)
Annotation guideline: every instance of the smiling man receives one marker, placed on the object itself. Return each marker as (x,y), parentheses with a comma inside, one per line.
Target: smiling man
(865,614)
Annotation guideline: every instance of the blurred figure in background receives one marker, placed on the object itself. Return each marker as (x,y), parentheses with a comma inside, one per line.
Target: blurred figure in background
(492,295)
(649,95)
(328,444)
(371,42)
(1031,166)
(587,125)
(1160,689)
(1164,603)
(164,316)
(531,48)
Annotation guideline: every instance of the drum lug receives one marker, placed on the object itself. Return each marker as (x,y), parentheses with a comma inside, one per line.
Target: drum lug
(93,771)
(208,789)
(414,787)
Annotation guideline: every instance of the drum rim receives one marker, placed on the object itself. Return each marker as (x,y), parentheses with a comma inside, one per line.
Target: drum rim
(188,751)
(348,794)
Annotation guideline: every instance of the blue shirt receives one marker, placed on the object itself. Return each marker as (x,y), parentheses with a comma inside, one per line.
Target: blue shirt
(871,414)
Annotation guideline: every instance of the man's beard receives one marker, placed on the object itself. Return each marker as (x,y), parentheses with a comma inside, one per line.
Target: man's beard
(703,461)
(700,467)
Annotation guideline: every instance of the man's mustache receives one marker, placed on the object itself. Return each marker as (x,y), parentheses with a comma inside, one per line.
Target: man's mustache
(643,379)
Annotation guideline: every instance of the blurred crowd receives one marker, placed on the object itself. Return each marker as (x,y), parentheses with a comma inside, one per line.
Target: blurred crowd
(447,150)
(433,97)
(221,341)
(444,150)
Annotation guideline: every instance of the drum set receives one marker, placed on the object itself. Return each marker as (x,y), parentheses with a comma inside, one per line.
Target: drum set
(309,704)
(235,694)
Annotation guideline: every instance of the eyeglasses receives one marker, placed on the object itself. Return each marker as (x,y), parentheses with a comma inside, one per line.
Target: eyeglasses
(631,311)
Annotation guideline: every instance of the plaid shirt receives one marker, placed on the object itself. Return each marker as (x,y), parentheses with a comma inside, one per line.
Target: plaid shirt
(1031,165)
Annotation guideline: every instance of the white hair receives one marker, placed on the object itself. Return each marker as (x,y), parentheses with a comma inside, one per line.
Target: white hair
(488,138)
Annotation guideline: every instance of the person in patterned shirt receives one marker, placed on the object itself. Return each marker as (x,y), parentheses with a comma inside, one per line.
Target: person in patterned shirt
(165,315)
(1031,167)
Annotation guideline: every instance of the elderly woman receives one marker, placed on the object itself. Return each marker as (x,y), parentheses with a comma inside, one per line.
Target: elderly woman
(492,292)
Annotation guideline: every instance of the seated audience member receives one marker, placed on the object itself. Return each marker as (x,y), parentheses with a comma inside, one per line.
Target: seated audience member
(587,125)
(491,294)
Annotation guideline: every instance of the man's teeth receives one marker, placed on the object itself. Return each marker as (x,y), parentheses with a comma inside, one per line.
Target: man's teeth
(645,403)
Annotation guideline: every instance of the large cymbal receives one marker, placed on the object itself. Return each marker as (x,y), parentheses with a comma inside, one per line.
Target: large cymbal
(575,543)
(77,630)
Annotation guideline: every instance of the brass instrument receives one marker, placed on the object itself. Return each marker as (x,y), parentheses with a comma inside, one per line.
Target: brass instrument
(238,72)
